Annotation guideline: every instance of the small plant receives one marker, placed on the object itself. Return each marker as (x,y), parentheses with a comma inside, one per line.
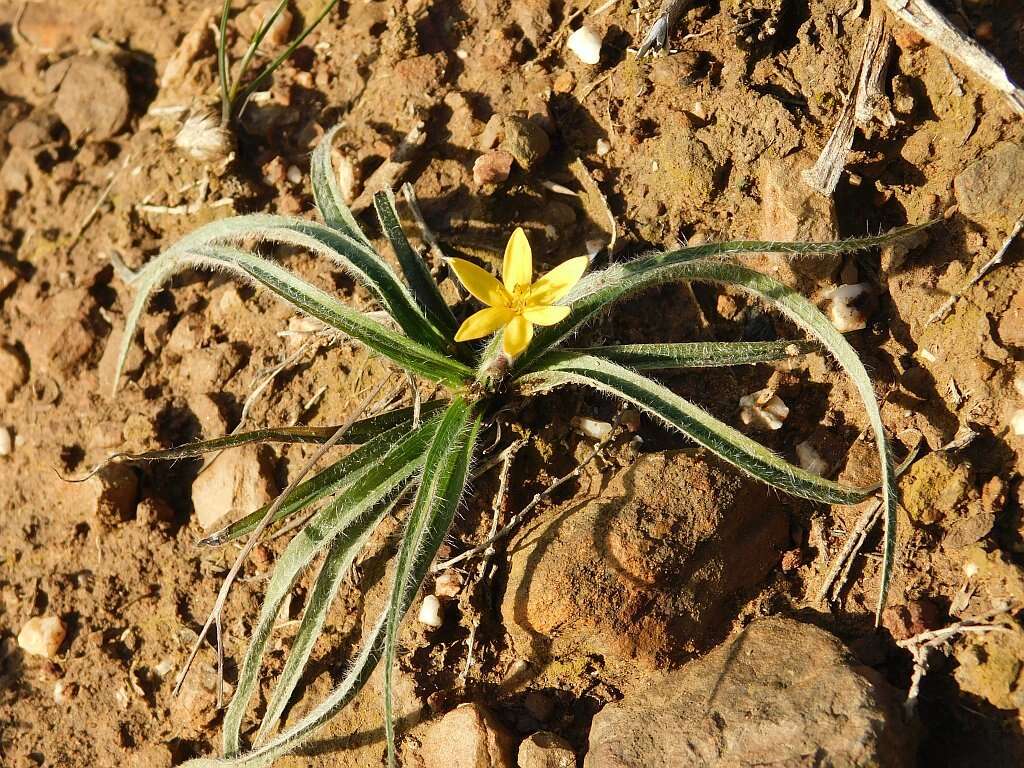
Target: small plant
(424,454)
(235,91)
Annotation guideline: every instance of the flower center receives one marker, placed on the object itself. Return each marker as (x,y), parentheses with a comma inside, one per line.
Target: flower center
(519,296)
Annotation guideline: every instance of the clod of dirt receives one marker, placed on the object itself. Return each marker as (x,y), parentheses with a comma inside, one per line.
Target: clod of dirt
(492,167)
(199,41)
(52,26)
(1011,322)
(239,480)
(649,569)
(13,374)
(279,31)
(991,666)
(534,18)
(92,100)
(791,210)
(211,419)
(6,443)
(934,488)
(195,706)
(776,693)
(915,617)
(544,749)
(109,495)
(526,141)
(996,577)
(467,737)
(42,636)
(988,190)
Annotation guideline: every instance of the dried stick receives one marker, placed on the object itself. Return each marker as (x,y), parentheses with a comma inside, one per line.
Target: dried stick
(853,543)
(517,518)
(987,267)
(216,614)
(923,18)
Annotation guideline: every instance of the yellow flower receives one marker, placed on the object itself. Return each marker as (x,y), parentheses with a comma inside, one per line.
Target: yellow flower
(519,304)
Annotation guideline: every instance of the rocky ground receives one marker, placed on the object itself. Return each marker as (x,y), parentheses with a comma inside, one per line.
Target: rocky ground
(662,610)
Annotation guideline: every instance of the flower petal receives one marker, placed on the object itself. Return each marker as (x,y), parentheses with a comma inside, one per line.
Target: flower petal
(558,282)
(546,315)
(481,283)
(518,334)
(518,266)
(483,323)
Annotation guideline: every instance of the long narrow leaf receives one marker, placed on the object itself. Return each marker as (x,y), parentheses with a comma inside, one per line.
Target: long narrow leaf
(676,412)
(337,563)
(599,290)
(377,486)
(444,479)
(699,354)
(405,352)
(327,194)
(422,284)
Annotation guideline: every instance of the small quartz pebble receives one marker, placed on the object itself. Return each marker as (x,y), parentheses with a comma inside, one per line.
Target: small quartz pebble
(430,612)
(294,174)
(592,428)
(6,444)
(448,584)
(603,147)
(63,692)
(810,459)
(1017,422)
(586,44)
(846,312)
(42,636)
(763,409)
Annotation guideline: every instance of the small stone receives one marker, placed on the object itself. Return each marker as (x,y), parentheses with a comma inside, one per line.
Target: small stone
(564,82)
(603,147)
(152,511)
(92,100)
(917,616)
(777,692)
(763,410)
(595,429)
(64,691)
(195,706)
(239,480)
(277,35)
(448,584)
(988,190)
(810,459)
(13,374)
(989,666)
(544,749)
(1017,422)
(198,41)
(525,141)
(1011,322)
(208,413)
(42,636)
(431,613)
(934,488)
(467,737)
(586,44)
(848,308)
(492,167)
(6,443)
(539,706)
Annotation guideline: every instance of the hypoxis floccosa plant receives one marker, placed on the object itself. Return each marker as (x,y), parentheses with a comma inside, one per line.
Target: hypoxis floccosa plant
(426,462)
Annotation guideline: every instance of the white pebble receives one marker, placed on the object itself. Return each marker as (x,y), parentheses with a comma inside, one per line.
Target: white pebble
(846,314)
(1018,384)
(603,147)
(586,44)
(42,636)
(810,459)
(6,444)
(763,409)
(63,692)
(430,612)
(1017,422)
(294,174)
(592,428)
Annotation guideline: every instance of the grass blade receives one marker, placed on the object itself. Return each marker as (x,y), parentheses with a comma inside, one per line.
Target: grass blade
(417,275)
(445,472)
(703,428)
(326,193)
(699,354)
(378,486)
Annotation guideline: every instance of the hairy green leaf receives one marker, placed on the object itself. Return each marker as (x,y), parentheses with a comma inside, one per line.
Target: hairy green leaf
(327,194)
(698,354)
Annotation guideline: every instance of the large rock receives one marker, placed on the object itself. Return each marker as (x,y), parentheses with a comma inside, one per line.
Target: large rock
(467,737)
(92,98)
(238,481)
(989,191)
(649,569)
(780,693)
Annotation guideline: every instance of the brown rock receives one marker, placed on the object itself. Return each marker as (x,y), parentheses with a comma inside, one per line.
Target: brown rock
(791,210)
(991,666)
(492,167)
(51,26)
(546,750)
(195,706)
(92,100)
(650,568)
(198,42)
(13,374)
(777,693)
(915,617)
(525,141)
(467,737)
(934,488)
(989,190)
(1011,322)
(238,481)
